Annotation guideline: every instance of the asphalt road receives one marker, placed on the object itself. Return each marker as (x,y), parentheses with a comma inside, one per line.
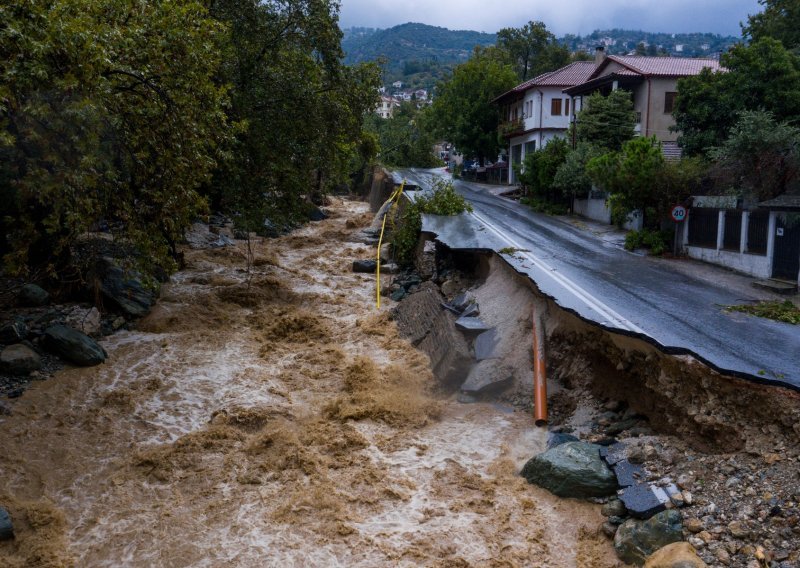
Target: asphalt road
(621,291)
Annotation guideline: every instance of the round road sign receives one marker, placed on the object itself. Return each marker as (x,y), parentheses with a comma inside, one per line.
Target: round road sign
(678,213)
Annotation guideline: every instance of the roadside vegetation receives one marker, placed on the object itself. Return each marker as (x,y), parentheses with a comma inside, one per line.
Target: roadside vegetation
(407,222)
(784,311)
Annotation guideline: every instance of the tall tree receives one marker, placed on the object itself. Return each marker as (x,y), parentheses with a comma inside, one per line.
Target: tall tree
(463,112)
(761,158)
(532,49)
(299,110)
(762,75)
(780,20)
(607,121)
(629,176)
(109,111)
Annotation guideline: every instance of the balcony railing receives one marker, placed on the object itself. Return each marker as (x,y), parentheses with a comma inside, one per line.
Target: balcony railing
(511,127)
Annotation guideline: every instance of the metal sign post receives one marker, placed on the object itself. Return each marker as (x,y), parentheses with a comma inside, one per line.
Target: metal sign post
(678,215)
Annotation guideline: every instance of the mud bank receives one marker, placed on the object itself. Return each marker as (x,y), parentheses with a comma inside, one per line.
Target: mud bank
(276,418)
(678,394)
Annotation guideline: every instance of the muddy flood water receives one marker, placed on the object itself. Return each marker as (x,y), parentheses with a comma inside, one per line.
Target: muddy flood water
(279,421)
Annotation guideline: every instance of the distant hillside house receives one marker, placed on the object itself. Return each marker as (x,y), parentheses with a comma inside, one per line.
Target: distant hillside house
(537,111)
(653,83)
(397,84)
(385,108)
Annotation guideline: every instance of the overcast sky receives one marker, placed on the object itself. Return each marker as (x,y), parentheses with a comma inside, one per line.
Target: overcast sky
(560,16)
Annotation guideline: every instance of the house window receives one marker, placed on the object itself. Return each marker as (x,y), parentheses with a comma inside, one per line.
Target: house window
(669,102)
(555,107)
(530,147)
(566,107)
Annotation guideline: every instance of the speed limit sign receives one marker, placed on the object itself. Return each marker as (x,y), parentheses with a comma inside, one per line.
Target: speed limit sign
(678,213)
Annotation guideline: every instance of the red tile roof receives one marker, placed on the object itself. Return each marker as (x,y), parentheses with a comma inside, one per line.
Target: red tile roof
(571,75)
(660,66)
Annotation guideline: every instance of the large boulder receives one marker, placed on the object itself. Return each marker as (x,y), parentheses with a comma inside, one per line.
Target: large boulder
(33,295)
(85,320)
(19,360)
(636,540)
(675,555)
(13,332)
(574,469)
(124,289)
(74,346)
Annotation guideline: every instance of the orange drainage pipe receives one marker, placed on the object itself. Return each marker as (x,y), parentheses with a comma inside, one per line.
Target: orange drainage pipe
(539,371)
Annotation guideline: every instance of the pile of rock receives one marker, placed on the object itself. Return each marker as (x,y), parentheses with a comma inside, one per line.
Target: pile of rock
(38,336)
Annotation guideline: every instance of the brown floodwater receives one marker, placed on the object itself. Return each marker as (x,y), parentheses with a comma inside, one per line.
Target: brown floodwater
(276,418)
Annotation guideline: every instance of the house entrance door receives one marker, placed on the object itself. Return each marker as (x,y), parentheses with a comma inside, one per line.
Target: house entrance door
(786,258)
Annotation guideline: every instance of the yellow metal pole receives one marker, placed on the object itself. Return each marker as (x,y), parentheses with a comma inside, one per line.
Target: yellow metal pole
(395,196)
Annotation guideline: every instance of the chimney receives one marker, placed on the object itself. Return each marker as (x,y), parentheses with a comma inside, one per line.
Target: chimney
(599,54)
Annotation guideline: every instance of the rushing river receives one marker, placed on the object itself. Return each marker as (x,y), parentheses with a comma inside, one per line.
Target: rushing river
(275,418)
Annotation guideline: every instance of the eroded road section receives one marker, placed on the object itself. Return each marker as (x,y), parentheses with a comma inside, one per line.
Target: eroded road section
(621,291)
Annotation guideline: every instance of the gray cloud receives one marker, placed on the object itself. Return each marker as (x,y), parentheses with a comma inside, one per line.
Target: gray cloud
(572,16)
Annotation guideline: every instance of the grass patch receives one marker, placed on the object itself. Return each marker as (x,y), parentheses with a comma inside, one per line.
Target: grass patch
(784,311)
(541,206)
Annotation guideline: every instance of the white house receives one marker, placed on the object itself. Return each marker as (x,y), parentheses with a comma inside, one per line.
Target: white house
(397,84)
(537,111)
(386,106)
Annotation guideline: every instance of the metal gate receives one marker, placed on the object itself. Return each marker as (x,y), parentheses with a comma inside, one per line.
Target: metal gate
(786,259)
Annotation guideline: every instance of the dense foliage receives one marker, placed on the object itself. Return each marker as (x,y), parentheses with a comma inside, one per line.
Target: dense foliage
(539,169)
(463,112)
(761,76)
(629,176)
(404,139)
(109,111)
(779,20)
(134,113)
(760,159)
(607,121)
(532,49)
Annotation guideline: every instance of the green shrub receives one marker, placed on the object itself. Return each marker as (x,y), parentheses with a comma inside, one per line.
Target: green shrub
(657,241)
(407,224)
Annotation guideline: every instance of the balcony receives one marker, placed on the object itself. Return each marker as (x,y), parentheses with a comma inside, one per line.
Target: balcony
(511,128)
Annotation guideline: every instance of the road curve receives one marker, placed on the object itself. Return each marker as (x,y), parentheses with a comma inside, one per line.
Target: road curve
(621,291)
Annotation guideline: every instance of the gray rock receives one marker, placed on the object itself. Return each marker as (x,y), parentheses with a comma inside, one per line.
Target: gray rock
(488,375)
(365,266)
(476,325)
(619,427)
(6,527)
(609,529)
(398,294)
(636,540)
(574,469)
(460,302)
(472,310)
(628,473)
(124,289)
(390,268)
(85,320)
(74,346)
(644,500)
(614,453)
(13,332)
(614,508)
(557,438)
(33,295)
(20,360)
(485,345)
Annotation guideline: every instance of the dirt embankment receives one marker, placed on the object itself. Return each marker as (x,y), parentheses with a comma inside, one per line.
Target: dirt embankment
(276,418)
